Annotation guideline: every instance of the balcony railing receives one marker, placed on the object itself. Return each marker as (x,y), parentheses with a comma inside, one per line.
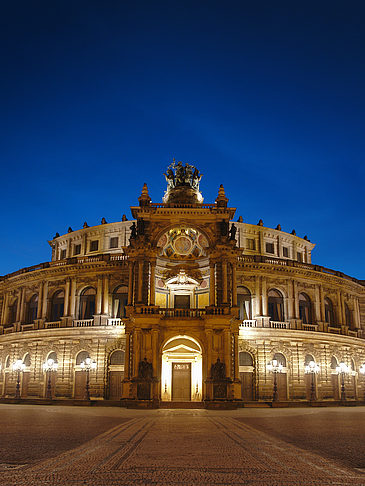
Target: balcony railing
(279,325)
(53,325)
(83,322)
(294,263)
(194,313)
(310,327)
(115,321)
(334,330)
(249,323)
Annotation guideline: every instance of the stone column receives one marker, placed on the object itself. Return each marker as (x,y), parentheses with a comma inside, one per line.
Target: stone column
(39,306)
(296,299)
(290,301)
(4,312)
(357,313)
(69,251)
(67,298)
(323,312)
(137,349)
(130,283)
(264,296)
(227,351)
(236,361)
(140,281)
(258,296)
(155,354)
(343,312)
(72,311)
(280,249)
(317,304)
(339,309)
(23,306)
(225,282)
(212,284)
(106,295)
(99,293)
(209,334)
(234,285)
(19,305)
(152,284)
(126,360)
(208,364)
(45,300)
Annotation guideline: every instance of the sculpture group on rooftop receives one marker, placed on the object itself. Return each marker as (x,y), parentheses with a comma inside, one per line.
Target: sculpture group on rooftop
(178,174)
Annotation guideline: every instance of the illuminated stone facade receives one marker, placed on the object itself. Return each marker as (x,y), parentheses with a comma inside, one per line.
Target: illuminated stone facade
(182,304)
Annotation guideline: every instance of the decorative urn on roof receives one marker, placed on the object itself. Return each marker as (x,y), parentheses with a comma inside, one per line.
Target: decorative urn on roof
(182,184)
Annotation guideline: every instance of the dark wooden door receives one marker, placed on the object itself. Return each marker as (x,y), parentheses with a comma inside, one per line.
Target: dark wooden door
(247,386)
(335,387)
(24,385)
(80,384)
(53,376)
(181,382)
(115,385)
(282,386)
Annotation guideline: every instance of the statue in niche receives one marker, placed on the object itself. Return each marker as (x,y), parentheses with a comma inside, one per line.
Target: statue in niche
(218,371)
(133,229)
(232,232)
(145,370)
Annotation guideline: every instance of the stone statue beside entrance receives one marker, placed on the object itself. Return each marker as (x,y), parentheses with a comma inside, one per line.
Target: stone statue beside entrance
(144,380)
(219,379)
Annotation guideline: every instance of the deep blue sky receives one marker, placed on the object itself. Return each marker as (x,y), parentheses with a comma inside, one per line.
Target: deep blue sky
(265,97)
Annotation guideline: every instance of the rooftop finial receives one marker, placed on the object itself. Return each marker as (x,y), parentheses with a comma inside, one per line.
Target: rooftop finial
(221,200)
(144,199)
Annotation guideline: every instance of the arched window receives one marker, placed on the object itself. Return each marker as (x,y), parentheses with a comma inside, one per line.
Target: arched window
(117,357)
(329,314)
(81,357)
(13,311)
(57,304)
(87,303)
(52,355)
(334,363)
(308,359)
(7,362)
(305,309)
(244,303)
(26,360)
(276,305)
(245,359)
(32,308)
(280,358)
(348,316)
(120,300)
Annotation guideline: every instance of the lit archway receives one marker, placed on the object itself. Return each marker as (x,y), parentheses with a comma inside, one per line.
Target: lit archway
(181,370)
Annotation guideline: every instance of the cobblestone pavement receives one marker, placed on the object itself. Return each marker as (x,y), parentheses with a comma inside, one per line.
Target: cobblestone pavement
(172,447)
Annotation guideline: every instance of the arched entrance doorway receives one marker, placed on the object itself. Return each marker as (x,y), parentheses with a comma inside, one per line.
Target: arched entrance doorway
(181,371)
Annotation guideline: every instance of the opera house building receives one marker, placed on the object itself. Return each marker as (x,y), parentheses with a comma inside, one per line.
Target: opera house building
(182,303)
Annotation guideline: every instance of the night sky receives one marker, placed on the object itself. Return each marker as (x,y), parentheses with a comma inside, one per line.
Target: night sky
(266,98)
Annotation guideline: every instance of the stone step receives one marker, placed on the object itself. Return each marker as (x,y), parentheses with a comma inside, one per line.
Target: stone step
(185,405)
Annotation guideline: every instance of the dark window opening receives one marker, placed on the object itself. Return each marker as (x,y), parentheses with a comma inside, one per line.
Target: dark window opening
(94,245)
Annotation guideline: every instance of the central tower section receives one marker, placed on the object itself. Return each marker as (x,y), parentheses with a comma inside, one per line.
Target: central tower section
(182,259)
